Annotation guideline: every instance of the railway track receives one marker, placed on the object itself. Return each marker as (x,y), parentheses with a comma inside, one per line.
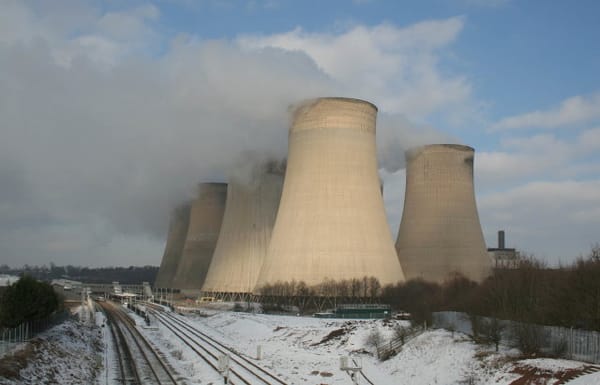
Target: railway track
(138,361)
(241,369)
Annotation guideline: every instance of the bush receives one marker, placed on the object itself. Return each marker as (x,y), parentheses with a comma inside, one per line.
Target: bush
(375,340)
(491,331)
(529,338)
(27,300)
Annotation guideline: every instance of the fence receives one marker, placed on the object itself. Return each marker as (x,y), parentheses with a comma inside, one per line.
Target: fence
(562,342)
(392,347)
(26,331)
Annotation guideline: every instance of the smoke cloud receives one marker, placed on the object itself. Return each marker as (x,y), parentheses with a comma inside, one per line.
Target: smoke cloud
(101,141)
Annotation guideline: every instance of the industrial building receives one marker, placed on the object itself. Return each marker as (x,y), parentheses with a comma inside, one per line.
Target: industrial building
(250,212)
(178,228)
(331,222)
(503,257)
(206,216)
(440,233)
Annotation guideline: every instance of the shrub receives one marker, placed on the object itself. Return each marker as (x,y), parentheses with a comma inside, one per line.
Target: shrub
(27,300)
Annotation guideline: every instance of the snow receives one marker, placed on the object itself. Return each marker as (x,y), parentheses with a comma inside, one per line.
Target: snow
(69,353)
(109,370)
(180,356)
(6,280)
(301,350)
(590,379)
(552,364)
(446,359)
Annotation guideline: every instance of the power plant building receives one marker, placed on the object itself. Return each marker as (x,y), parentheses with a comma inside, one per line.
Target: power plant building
(503,257)
(440,233)
(178,228)
(331,222)
(206,216)
(247,225)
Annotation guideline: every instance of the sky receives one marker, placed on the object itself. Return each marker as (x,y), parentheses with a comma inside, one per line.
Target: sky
(112,111)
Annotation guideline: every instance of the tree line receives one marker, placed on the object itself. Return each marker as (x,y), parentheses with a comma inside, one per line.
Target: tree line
(567,296)
(125,275)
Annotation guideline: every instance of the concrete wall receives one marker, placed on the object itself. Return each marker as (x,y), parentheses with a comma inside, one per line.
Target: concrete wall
(178,228)
(249,217)
(440,231)
(205,223)
(331,221)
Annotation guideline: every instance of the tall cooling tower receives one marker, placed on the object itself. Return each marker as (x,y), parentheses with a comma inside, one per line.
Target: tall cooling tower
(205,223)
(331,222)
(440,233)
(246,231)
(178,228)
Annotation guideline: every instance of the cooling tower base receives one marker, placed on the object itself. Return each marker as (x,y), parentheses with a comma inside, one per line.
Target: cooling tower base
(221,296)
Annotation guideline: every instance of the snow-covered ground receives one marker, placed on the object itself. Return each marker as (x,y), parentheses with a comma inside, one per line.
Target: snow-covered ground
(69,353)
(307,350)
(302,350)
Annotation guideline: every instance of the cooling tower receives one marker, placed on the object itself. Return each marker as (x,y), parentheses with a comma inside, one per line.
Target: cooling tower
(331,222)
(440,231)
(178,228)
(249,217)
(205,223)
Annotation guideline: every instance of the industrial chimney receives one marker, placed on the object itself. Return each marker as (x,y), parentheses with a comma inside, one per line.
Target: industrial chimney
(178,228)
(247,225)
(205,223)
(440,233)
(331,222)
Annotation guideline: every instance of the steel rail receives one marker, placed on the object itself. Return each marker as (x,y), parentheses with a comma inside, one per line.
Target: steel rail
(151,360)
(224,349)
(185,331)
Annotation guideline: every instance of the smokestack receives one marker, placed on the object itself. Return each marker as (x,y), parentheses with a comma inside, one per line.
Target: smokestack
(501,239)
(178,228)
(440,233)
(205,223)
(247,225)
(331,222)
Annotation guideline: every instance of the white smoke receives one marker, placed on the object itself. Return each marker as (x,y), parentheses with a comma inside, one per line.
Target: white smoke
(100,139)
(395,135)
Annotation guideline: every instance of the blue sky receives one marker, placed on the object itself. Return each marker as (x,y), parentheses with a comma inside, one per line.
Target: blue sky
(112,111)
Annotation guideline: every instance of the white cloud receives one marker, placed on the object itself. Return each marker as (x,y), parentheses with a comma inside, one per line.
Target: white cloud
(575,110)
(538,156)
(104,39)
(129,24)
(589,140)
(397,68)
(553,219)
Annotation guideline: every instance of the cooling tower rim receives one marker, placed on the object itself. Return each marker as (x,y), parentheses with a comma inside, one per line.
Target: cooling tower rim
(414,151)
(305,102)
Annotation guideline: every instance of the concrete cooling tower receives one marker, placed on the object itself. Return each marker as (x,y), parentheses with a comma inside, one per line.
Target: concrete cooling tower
(440,233)
(249,217)
(178,228)
(205,223)
(331,222)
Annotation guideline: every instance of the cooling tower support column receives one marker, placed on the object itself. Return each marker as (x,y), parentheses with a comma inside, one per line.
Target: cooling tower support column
(178,228)
(331,222)
(440,233)
(205,223)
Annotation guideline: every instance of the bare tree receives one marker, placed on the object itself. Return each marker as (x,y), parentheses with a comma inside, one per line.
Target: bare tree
(375,340)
